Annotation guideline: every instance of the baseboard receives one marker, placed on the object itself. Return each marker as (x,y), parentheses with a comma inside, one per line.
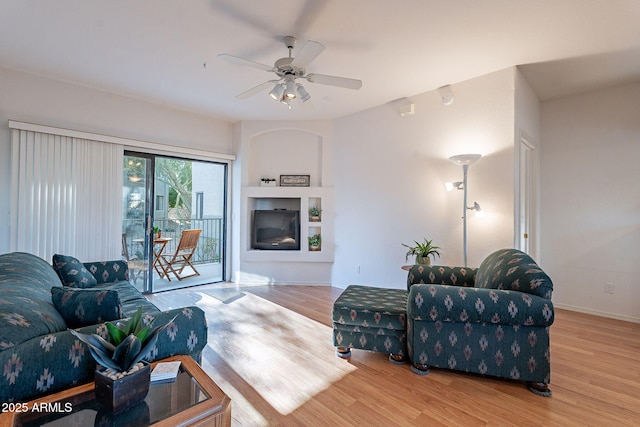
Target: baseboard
(598,313)
(261,282)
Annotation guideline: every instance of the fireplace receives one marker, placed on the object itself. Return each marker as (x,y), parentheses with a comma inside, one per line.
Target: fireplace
(276,229)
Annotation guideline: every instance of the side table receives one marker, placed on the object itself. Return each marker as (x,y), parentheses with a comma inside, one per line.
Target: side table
(192,399)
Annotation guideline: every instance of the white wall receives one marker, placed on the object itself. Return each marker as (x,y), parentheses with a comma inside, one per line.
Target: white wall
(390,171)
(28,98)
(590,200)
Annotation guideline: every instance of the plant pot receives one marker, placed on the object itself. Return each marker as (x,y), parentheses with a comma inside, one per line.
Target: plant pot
(123,393)
(314,248)
(423,260)
(314,219)
(157,235)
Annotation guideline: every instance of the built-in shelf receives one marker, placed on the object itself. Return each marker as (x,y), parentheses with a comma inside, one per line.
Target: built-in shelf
(302,197)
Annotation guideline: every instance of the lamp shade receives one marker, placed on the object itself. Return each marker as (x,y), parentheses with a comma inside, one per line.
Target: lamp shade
(465,159)
(276,92)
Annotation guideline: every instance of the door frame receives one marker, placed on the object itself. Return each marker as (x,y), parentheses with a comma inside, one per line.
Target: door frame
(526,200)
(150,198)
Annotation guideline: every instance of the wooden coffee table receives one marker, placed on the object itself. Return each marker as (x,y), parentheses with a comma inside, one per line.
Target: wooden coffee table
(193,399)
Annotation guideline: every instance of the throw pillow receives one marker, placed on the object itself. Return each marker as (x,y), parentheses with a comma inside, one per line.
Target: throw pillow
(83,307)
(72,272)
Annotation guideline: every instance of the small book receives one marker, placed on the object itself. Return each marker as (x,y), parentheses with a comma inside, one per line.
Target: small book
(165,371)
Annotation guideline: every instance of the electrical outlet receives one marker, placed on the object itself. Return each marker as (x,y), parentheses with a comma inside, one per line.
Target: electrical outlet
(608,288)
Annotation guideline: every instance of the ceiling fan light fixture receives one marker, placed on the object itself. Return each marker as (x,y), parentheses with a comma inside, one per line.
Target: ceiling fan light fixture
(290,91)
(276,92)
(302,92)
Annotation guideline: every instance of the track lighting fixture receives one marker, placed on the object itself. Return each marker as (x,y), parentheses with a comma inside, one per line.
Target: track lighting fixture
(446,95)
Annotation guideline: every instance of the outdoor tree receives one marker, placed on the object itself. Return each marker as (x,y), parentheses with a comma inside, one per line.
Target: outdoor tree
(177,175)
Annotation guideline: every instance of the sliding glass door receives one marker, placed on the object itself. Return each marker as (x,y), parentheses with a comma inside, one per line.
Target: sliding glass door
(163,197)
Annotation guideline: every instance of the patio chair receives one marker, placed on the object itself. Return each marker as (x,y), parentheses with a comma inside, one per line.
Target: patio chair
(137,267)
(175,263)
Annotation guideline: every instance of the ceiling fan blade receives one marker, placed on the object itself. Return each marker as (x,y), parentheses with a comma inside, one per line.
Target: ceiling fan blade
(308,53)
(257,89)
(344,82)
(242,61)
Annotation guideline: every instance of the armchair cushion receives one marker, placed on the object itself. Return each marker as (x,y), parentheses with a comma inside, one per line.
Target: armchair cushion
(72,272)
(82,307)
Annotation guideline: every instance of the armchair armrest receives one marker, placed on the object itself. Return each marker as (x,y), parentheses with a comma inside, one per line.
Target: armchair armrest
(443,303)
(441,275)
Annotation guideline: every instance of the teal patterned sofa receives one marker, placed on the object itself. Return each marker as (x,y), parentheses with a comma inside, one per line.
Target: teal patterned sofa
(493,320)
(39,356)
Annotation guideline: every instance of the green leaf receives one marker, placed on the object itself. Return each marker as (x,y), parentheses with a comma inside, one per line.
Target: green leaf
(116,334)
(143,334)
(133,325)
(146,349)
(151,340)
(127,352)
(103,359)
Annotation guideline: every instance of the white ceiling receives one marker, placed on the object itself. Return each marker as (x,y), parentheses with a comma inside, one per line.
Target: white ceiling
(155,49)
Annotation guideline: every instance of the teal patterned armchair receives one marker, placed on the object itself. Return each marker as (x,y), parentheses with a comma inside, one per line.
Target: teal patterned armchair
(493,320)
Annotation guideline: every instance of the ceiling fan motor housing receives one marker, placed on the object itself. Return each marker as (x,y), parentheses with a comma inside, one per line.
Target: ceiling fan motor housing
(283,67)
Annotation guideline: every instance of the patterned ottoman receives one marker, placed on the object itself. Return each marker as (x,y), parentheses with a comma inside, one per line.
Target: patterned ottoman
(373,319)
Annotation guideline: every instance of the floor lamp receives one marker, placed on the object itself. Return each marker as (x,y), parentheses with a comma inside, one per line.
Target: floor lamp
(464,160)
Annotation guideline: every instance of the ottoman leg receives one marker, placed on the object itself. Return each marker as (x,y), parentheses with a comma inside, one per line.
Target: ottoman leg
(343,353)
(420,369)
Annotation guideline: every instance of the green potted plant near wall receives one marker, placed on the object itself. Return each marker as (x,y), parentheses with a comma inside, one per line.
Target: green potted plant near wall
(314,214)
(315,242)
(123,378)
(422,251)
(157,233)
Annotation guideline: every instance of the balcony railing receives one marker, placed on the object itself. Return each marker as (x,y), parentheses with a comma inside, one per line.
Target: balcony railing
(209,245)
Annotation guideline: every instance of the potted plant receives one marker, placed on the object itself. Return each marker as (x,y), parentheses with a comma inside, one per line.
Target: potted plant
(157,233)
(314,214)
(423,251)
(315,242)
(123,378)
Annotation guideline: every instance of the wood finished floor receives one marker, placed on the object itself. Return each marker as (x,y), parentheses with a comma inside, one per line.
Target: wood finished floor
(270,350)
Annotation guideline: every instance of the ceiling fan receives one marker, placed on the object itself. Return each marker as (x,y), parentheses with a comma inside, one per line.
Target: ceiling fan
(288,69)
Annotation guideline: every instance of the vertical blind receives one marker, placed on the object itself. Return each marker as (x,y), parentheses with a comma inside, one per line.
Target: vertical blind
(66,196)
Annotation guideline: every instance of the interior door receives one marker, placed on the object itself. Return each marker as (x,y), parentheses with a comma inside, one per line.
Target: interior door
(527,197)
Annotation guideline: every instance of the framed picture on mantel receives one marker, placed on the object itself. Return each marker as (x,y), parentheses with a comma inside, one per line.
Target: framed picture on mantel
(295,180)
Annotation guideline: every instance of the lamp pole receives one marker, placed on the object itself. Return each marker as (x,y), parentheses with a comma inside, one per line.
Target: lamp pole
(464,212)
(464,160)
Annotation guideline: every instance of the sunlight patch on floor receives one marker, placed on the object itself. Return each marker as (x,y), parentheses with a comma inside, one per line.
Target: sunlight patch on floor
(256,340)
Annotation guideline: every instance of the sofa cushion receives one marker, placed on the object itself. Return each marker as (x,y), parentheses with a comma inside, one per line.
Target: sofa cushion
(131,299)
(72,272)
(82,307)
(108,271)
(515,270)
